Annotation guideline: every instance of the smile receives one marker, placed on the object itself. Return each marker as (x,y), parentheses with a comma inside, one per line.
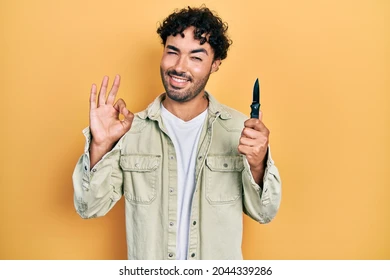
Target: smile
(179,80)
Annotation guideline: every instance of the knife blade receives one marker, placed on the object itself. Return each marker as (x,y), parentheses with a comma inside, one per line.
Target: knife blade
(255,106)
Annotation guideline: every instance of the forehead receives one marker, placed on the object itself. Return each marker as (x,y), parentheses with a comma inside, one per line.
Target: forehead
(187,43)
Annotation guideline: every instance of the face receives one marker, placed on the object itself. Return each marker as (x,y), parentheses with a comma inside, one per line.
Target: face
(186,66)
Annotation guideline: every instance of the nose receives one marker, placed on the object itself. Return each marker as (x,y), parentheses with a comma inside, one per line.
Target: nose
(181,65)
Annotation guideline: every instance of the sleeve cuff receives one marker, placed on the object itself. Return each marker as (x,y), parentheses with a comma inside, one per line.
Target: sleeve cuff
(268,170)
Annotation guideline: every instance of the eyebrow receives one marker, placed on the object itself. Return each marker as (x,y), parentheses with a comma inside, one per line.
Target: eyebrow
(200,50)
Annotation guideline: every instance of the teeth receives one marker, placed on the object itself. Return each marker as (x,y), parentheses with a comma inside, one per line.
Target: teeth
(179,80)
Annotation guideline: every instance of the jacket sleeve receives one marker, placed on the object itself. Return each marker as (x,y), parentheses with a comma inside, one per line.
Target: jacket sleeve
(96,191)
(262,203)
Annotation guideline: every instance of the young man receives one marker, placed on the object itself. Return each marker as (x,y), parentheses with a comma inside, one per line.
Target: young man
(187,165)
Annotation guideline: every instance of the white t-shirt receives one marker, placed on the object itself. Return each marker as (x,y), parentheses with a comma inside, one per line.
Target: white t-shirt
(185,137)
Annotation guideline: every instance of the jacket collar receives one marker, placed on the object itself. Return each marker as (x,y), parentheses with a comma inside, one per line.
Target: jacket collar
(215,109)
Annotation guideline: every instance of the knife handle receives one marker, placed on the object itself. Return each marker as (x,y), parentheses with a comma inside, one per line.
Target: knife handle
(255,107)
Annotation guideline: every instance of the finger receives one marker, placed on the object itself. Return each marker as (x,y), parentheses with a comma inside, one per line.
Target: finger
(248,141)
(245,150)
(252,123)
(129,116)
(120,105)
(92,98)
(261,115)
(114,90)
(255,133)
(256,124)
(255,153)
(102,92)
(250,133)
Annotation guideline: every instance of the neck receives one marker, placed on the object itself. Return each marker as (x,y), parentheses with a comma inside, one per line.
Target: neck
(186,111)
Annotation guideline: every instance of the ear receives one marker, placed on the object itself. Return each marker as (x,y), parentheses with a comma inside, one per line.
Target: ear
(215,65)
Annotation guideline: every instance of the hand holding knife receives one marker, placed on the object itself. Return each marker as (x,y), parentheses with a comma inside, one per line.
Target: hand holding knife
(254,139)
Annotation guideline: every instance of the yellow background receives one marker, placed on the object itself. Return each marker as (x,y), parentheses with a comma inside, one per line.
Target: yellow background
(324,73)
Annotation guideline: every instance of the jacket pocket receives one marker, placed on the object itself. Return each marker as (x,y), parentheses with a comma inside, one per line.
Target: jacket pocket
(223,179)
(140,177)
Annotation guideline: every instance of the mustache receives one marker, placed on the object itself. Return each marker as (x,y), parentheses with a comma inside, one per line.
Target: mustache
(181,74)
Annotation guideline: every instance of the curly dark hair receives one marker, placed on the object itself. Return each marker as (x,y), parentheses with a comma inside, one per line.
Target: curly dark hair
(205,22)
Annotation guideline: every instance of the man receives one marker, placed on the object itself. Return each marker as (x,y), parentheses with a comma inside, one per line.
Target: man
(187,165)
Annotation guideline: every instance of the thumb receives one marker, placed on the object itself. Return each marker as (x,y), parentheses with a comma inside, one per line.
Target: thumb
(261,115)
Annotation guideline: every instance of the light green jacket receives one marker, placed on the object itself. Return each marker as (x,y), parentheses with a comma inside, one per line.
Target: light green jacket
(142,166)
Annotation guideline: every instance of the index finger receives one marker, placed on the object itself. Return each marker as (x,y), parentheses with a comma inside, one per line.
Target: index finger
(255,124)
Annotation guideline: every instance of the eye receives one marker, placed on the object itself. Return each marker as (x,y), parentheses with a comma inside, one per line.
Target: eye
(171,52)
(196,58)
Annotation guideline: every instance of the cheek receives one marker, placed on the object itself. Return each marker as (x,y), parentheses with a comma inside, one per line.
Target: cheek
(163,66)
(166,62)
(199,70)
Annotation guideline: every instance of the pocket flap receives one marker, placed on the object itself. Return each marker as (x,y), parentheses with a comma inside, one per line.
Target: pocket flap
(225,163)
(139,163)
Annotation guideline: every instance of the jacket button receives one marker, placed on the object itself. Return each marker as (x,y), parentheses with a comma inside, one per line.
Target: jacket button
(193,255)
(170,255)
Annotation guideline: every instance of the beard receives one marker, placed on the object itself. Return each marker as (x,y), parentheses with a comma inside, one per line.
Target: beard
(183,95)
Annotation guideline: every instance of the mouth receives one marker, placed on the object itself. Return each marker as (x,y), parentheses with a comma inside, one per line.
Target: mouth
(177,81)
